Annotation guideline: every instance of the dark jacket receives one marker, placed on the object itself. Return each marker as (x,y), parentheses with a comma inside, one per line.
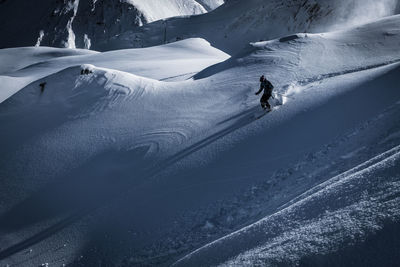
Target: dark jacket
(266,86)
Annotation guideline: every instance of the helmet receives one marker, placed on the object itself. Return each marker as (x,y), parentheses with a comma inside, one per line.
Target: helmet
(262,78)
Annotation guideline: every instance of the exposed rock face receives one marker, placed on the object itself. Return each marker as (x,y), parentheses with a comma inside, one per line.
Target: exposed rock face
(80,24)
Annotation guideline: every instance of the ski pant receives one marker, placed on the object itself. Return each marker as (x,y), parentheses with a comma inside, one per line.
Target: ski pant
(264,101)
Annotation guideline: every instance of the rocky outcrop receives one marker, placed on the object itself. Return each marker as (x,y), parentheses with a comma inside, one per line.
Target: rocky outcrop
(83,23)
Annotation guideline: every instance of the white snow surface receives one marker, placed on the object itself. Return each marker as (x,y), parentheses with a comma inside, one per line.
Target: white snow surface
(187,58)
(347,207)
(236,23)
(154,156)
(160,9)
(210,4)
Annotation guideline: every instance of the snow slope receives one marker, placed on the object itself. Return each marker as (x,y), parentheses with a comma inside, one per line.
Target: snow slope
(113,168)
(236,23)
(210,4)
(155,9)
(188,57)
(352,49)
(82,24)
(346,208)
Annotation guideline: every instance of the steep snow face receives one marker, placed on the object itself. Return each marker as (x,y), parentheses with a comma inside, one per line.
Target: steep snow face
(210,4)
(352,49)
(356,12)
(237,23)
(159,9)
(74,23)
(127,170)
(346,208)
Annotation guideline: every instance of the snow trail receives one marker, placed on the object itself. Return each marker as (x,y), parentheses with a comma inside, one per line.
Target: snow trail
(288,223)
(107,146)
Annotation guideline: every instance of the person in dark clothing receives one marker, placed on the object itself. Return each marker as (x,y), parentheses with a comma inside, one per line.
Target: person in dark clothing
(42,85)
(267,87)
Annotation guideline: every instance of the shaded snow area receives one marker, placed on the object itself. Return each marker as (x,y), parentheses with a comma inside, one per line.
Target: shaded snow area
(162,155)
(348,208)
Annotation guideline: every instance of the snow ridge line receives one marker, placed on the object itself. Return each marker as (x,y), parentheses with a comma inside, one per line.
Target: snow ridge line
(321,77)
(390,155)
(359,168)
(339,73)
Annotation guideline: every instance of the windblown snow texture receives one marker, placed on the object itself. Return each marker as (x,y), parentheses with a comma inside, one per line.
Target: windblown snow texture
(232,26)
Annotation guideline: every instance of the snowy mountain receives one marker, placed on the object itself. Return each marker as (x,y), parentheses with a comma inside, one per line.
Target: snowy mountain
(75,23)
(162,156)
(237,22)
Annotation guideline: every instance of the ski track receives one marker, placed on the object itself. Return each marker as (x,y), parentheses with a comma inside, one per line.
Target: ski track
(154,140)
(369,218)
(162,139)
(167,146)
(339,73)
(148,174)
(184,76)
(253,200)
(292,211)
(117,92)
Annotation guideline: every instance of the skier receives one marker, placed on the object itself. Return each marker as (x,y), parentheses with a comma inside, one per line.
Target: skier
(42,85)
(267,87)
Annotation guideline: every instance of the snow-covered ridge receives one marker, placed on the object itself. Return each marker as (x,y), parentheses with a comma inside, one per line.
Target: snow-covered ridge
(340,52)
(74,23)
(210,4)
(237,23)
(98,140)
(188,57)
(155,9)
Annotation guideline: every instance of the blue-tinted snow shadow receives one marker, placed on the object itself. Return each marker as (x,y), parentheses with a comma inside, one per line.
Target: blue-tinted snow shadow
(379,249)
(269,150)
(75,194)
(340,106)
(94,184)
